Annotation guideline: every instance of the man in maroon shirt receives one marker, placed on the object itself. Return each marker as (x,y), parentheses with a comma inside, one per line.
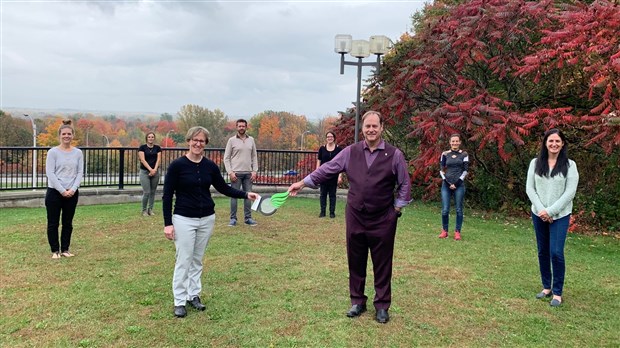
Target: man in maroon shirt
(375,169)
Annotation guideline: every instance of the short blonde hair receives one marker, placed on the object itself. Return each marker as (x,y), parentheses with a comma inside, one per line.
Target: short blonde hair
(192,132)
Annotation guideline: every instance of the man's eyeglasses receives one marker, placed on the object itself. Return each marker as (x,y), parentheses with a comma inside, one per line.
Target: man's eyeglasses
(198,141)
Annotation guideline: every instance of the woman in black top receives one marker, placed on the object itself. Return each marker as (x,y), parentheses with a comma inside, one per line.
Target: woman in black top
(326,153)
(189,179)
(150,158)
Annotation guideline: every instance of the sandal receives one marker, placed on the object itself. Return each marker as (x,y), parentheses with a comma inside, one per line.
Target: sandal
(66,254)
(55,255)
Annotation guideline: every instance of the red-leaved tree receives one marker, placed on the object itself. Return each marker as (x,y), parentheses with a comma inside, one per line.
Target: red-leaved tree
(500,73)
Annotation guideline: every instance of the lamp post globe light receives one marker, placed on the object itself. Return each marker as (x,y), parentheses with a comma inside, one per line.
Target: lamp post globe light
(34,151)
(360,49)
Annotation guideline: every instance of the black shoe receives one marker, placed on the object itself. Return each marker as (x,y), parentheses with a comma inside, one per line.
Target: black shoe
(332,215)
(195,302)
(383,316)
(356,310)
(180,311)
(322,215)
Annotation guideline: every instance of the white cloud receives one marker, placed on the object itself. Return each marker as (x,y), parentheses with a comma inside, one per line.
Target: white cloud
(241,57)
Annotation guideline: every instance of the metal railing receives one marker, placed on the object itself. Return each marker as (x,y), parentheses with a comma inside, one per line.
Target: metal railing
(119,166)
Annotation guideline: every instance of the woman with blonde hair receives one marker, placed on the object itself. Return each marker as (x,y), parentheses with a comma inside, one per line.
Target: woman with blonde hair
(64,168)
(190,225)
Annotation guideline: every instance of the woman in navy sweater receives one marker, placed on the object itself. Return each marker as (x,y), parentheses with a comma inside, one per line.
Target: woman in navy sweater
(189,179)
(454,164)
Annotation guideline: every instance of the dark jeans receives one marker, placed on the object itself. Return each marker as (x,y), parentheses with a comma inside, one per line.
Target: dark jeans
(446,194)
(55,204)
(243,180)
(550,238)
(328,187)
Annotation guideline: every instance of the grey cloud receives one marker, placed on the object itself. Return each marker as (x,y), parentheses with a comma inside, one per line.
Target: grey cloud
(240,57)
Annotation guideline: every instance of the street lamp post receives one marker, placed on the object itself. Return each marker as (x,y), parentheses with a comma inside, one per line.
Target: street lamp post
(301,145)
(107,176)
(360,49)
(86,154)
(34,151)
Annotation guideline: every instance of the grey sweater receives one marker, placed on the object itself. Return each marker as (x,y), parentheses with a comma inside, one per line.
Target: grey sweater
(64,170)
(554,194)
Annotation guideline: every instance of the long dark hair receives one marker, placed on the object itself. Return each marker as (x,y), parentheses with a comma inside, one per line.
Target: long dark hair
(542,164)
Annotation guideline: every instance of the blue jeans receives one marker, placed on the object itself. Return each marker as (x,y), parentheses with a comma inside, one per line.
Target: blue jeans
(458,194)
(550,238)
(244,180)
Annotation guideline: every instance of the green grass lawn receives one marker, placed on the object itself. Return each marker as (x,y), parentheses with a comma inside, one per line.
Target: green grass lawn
(284,283)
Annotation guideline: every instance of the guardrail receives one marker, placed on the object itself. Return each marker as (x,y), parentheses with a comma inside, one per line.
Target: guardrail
(24,167)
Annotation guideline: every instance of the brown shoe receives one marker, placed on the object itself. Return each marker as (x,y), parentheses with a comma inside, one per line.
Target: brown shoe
(66,254)
(55,255)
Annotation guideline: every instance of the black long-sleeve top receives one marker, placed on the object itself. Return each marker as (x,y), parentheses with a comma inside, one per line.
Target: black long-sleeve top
(191,183)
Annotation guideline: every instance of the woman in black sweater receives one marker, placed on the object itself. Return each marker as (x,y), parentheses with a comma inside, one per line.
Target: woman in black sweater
(326,153)
(189,179)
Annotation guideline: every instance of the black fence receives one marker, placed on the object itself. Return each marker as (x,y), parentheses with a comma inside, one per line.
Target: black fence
(24,167)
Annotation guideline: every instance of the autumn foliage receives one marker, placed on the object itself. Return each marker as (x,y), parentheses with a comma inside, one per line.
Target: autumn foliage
(500,73)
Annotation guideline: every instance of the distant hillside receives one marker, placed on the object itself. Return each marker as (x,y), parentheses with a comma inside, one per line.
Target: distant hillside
(39,113)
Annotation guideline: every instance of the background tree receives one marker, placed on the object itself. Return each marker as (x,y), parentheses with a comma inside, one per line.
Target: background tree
(166,117)
(215,121)
(288,128)
(500,73)
(269,132)
(49,135)
(15,131)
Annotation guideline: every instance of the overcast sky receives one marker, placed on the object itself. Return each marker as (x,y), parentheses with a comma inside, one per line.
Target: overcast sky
(242,57)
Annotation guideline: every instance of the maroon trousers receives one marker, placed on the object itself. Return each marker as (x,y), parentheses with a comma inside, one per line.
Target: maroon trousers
(375,232)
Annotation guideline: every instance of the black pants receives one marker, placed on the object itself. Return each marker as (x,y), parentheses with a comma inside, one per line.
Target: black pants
(55,204)
(328,187)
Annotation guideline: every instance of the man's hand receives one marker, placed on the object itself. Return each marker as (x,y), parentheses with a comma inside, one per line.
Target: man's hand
(294,188)
(233,177)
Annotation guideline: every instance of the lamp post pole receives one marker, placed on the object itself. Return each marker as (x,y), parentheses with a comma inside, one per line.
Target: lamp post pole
(107,176)
(377,45)
(34,152)
(86,155)
(301,146)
